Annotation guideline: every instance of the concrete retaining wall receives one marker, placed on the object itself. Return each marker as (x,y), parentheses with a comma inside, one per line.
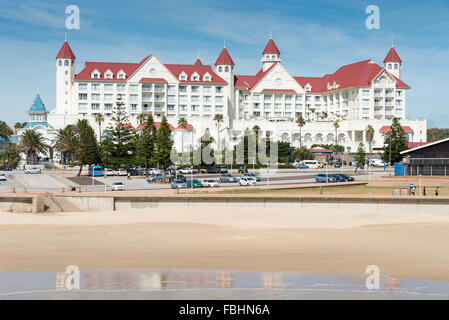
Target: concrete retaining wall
(22,203)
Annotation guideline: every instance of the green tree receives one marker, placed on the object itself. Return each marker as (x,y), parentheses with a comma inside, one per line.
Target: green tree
(120,136)
(67,142)
(395,143)
(145,147)
(182,122)
(86,152)
(218,118)
(5,131)
(164,144)
(10,155)
(32,144)
(370,136)
(436,134)
(99,118)
(302,153)
(360,157)
(301,123)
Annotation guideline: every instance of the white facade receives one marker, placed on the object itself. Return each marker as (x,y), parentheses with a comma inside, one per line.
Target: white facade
(272,99)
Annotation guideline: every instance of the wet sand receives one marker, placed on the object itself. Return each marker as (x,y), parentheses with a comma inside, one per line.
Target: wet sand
(402,245)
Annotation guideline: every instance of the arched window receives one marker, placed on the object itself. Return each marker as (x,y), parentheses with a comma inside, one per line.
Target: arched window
(60,63)
(389,66)
(273,57)
(66,63)
(226,69)
(267,56)
(220,69)
(395,66)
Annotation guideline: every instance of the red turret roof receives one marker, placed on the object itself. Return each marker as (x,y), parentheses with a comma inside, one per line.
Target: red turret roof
(65,52)
(198,62)
(392,56)
(271,48)
(224,58)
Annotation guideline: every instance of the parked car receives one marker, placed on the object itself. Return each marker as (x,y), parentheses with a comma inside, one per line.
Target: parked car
(322,177)
(213,170)
(108,172)
(141,171)
(338,177)
(210,183)
(178,184)
(243,170)
(120,172)
(178,177)
(227,177)
(186,171)
(154,171)
(195,183)
(33,171)
(345,176)
(223,169)
(155,177)
(132,172)
(377,163)
(118,185)
(301,166)
(312,164)
(247,181)
(2,177)
(337,165)
(5,168)
(252,175)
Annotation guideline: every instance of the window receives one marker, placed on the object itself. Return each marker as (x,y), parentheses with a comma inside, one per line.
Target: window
(288,98)
(171,98)
(171,88)
(108,87)
(288,106)
(96,76)
(195,107)
(220,69)
(195,89)
(277,106)
(267,105)
(195,98)
(365,93)
(66,63)
(82,106)
(95,96)
(298,106)
(395,66)
(133,107)
(182,88)
(133,87)
(182,107)
(183,98)
(108,106)
(219,99)
(226,69)
(121,75)
(389,66)
(82,86)
(207,89)
(219,108)
(121,87)
(95,106)
(277,97)
(207,98)
(108,75)
(108,97)
(146,87)
(95,86)
(60,63)
(267,97)
(218,89)
(133,97)
(82,96)
(171,107)
(207,108)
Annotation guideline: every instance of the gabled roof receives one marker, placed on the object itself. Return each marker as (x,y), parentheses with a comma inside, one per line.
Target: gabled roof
(189,69)
(65,52)
(102,67)
(387,128)
(157,125)
(271,48)
(198,62)
(249,82)
(392,56)
(38,106)
(224,58)
(425,146)
(153,80)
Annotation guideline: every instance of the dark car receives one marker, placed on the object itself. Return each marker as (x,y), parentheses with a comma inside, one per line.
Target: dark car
(322,177)
(178,177)
(141,171)
(337,164)
(213,170)
(345,176)
(339,177)
(5,168)
(155,177)
(132,172)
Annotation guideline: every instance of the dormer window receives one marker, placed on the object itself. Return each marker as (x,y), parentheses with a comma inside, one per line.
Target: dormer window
(207,77)
(121,74)
(109,75)
(195,77)
(183,76)
(308,87)
(95,74)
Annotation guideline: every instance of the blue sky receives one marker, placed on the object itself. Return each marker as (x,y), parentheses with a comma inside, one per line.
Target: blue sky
(314,37)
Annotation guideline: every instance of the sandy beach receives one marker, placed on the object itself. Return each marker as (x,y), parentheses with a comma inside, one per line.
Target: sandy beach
(246,239)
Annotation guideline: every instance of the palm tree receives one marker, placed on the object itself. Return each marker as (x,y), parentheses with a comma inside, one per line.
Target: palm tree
(336,126)
(32,143)
(183,123)
(370,136)
(66,141)
(99,119)
(141,118)
(301,123)
(218,118)
(5,131)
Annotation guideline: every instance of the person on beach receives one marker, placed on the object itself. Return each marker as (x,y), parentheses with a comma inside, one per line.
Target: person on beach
(424,191)
(437,191)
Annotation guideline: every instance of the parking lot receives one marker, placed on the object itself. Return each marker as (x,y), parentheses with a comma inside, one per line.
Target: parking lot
(52,181)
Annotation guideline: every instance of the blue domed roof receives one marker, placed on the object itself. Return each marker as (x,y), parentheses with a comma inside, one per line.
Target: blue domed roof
(38,106)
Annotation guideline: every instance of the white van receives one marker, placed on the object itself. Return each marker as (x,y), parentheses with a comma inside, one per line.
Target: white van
(312,164)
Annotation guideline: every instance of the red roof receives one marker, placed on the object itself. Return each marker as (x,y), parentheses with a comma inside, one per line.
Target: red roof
(156,124)
(320,149)
(249,82)
(153,80)
(125,125)
(102,67)
(198,62)
(392,56)
(65,52)
(412,145)
(278,90)
(224,58)
(387,128)
(189,69)
(187,127)
(271,48)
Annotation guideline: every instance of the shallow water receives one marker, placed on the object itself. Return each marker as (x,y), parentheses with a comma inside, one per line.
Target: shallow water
(207,284)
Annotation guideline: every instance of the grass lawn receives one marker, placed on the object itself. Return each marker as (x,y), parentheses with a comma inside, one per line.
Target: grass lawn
(376,190)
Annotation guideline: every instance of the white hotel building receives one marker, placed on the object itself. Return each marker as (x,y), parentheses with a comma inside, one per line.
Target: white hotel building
(360,94)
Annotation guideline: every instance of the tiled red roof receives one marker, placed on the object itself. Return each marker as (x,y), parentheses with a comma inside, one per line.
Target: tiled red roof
(153,80)
(392,56)
(156,124)
(249,82)
(65,52)
(319,149)
(271,48)
(387,128)
(189,69)
(412,145)
(224,58)
(278,90)
(187,127)
(102,67)
(198,62)
(126,125)
(316,83)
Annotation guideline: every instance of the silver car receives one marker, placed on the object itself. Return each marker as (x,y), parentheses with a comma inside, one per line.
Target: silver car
(2,177)
(178,184)
(33,171)
(118,185)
